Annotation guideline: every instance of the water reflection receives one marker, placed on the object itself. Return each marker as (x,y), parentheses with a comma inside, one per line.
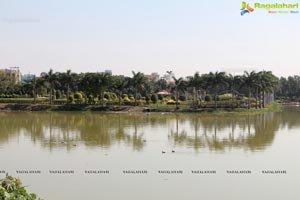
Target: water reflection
(95,130)
(254,132)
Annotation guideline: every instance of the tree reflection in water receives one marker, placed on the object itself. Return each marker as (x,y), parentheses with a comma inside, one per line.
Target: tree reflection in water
(199,131)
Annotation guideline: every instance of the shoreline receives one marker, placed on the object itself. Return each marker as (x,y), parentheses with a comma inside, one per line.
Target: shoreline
(13,107)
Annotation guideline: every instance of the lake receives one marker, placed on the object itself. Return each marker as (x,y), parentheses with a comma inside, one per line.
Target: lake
(81,155)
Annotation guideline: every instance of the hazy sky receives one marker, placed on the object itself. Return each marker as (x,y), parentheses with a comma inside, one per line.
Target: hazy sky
(184,36)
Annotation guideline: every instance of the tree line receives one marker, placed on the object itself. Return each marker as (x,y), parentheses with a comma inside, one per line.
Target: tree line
(251,86)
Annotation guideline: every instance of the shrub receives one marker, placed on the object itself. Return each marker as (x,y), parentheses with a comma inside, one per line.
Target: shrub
(147,98)
(15,96)
(71,98)
(160,97)
(207,98)
(58,94)
(126,99)
(77,95)
(113,96)
(173,97)
(139,96)
(225,97)
(91,99)
(11,188)
(106,95)
(154,98)
(182,98)
(171,102)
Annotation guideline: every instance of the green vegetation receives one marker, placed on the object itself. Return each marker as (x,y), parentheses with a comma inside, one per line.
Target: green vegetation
(12,189)
(216,90)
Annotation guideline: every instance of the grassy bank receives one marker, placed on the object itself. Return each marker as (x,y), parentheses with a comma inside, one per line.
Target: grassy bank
(273,107)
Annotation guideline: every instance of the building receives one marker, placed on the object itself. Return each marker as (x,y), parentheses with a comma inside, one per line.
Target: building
(169,77)
(14,74)
(153,77)
(26,77)
(108,72)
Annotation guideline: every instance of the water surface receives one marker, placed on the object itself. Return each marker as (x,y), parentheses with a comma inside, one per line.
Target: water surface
(119,143)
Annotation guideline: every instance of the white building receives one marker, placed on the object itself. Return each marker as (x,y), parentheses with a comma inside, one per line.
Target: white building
(14,74)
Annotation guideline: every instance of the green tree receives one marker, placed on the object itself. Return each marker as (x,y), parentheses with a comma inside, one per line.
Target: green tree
(249,81)
(137,82)
(119,84)
(154,98)
(68,80)
(268,82)
(5,82)
(195,82)
(87,85)
(102,83)
(233,83)
(180,86)
(50,79)
(31,87)
(216,81)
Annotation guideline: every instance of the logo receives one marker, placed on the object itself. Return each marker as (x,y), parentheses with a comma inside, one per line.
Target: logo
(271,8)
(246,8)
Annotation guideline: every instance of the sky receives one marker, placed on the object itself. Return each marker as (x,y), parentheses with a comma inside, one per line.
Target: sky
(184,36)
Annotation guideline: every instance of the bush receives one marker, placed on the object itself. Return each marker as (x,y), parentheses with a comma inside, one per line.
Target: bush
(11,188)
(106,95)
(91,99)
(113,96)
(172,102)
(58,94)
(182,98)
(160,97)
(207,98)
(225,97)
(71,98)
(126,99)
(77,96)
(139,96)
(147,98)
(15,96)
(154,98)
(173,97)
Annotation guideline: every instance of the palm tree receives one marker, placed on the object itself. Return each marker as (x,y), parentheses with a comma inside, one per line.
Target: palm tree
(195,82)
(86,84)
(30,86)
(102,83)
(137,81)
(180,86)
(51,79)
(68,79)
(119,84)
(268,82)
(249,81)
(233,82)
(216,80)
